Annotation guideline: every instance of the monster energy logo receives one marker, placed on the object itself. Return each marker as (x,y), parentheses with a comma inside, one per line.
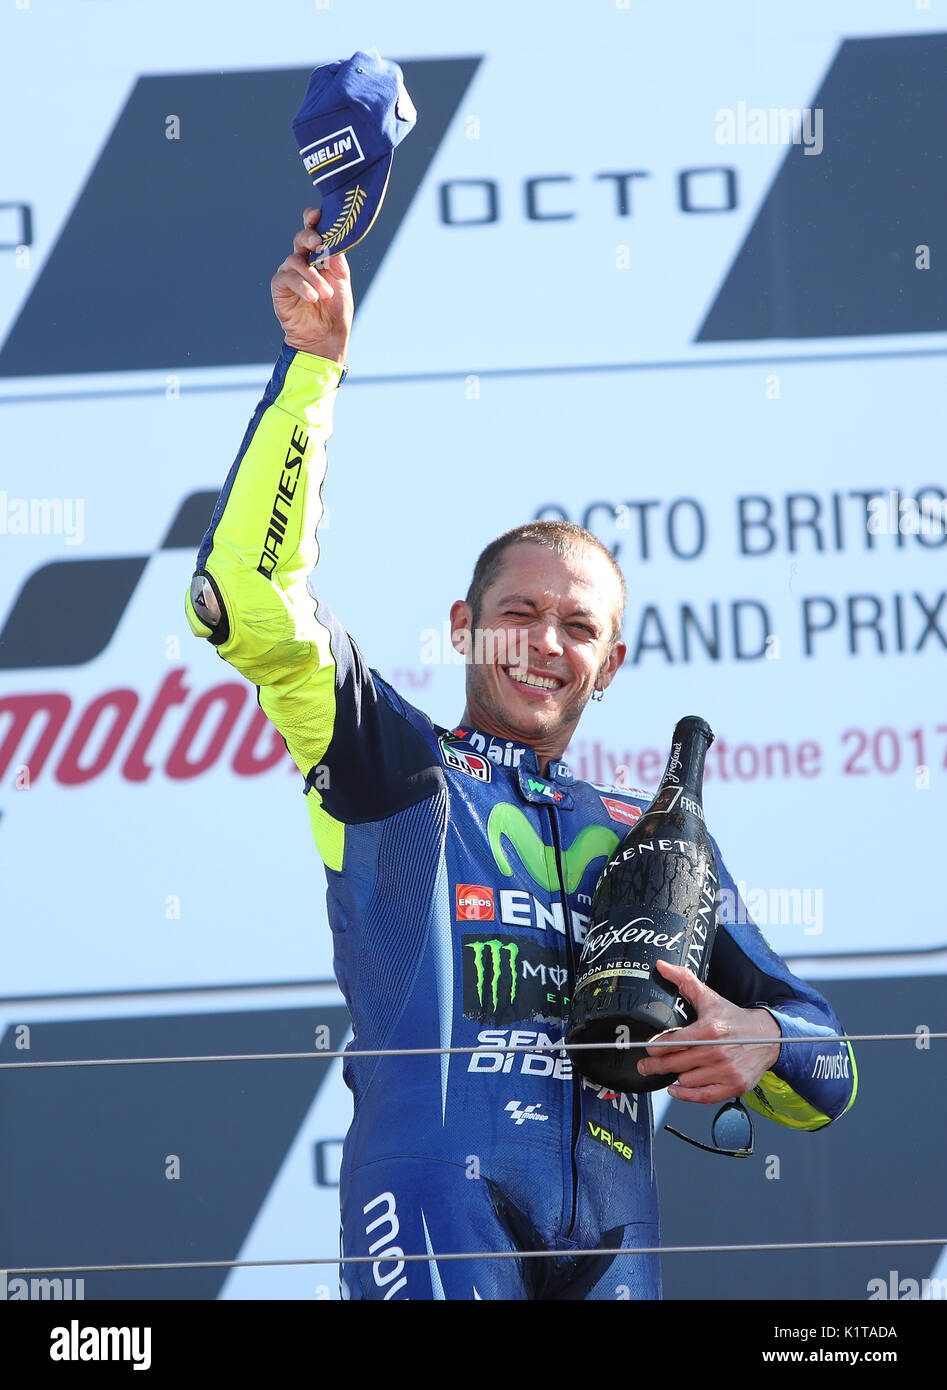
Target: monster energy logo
(539,859)
(496,948)
(509,981)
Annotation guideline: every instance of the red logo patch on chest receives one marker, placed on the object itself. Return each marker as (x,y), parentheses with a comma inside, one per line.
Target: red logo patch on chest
(475,903)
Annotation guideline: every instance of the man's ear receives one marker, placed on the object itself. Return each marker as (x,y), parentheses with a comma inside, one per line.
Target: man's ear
(611,664)
(461,621)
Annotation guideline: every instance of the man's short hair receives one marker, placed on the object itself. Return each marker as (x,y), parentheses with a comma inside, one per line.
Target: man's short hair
(563,537)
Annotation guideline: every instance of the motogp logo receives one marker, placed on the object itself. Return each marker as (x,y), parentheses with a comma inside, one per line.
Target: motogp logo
(519,1113)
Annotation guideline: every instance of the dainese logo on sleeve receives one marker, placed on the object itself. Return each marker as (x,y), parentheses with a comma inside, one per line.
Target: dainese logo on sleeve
(475,903)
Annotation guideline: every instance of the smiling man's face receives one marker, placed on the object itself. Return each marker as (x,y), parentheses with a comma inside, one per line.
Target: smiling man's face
(549,622)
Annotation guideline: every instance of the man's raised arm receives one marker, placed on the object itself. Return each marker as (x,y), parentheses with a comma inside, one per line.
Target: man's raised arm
(249,593)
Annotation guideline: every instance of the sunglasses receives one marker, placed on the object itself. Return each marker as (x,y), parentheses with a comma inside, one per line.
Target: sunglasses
(731,1132)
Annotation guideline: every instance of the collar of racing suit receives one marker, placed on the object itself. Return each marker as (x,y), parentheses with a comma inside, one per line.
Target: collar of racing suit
(517,756)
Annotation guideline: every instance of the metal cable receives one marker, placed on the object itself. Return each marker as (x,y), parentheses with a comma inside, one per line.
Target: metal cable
(499,1255)
(530,1254)
(488,1255)
(320,1056)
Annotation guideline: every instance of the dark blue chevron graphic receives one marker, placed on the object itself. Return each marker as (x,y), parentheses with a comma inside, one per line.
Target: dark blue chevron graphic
(832,251)
(877,1173)
(82,1166)
(67,612)
(168,252)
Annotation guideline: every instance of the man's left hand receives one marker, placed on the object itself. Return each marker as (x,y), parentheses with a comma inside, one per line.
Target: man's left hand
(712,1074)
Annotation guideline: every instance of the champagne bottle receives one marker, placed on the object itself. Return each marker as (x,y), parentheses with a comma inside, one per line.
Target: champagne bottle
(656,900)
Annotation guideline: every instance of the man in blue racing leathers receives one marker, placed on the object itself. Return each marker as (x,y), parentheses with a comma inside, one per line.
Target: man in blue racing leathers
(461,864)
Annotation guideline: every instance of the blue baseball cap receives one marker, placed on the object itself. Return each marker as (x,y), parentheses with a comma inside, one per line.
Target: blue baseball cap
(354,114)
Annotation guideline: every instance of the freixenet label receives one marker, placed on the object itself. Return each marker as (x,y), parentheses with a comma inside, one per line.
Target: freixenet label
(642,931)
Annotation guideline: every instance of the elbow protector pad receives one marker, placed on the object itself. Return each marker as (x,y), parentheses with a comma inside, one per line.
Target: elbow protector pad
(206,613)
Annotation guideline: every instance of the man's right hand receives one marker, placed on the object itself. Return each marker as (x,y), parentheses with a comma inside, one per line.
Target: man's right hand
(314,304)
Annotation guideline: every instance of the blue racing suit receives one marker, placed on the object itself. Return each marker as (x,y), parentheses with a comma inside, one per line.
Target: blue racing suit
(460,882)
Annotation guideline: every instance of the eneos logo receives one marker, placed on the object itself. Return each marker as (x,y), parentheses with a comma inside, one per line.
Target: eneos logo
(475,903)
(621,811)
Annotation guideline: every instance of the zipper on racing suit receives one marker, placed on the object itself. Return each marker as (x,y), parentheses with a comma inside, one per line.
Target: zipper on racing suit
(571,961)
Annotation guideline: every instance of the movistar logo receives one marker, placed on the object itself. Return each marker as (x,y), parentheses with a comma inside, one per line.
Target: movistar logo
(539,859)
(495,948)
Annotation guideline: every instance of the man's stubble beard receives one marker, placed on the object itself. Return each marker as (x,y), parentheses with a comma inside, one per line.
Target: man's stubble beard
(543,724)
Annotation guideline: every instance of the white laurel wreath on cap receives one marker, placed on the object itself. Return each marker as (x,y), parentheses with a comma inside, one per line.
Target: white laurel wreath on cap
(343,224)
